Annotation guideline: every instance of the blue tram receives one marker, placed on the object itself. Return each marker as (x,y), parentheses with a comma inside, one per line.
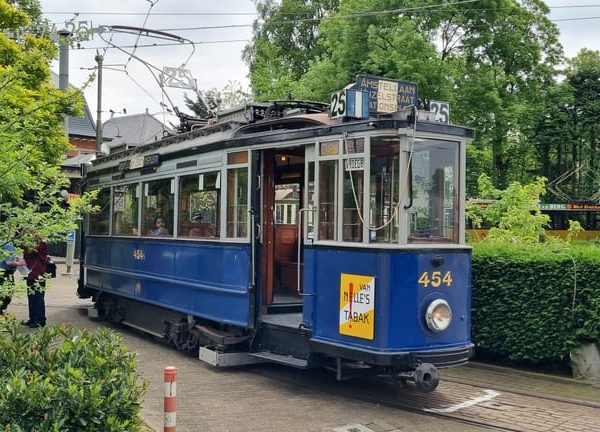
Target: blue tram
(278,234)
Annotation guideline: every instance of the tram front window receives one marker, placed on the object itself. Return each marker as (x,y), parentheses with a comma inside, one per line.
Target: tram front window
(384,190)
(434,211)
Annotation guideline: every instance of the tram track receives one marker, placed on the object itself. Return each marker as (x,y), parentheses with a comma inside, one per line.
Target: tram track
(506,389)
(512,410)
(509,410)
(457,400)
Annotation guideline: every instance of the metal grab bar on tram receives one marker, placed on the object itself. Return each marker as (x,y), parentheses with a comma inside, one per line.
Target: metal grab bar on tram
(300,239)
(252,246)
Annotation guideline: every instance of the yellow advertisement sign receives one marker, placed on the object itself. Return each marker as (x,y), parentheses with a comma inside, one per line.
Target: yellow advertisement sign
(357,306)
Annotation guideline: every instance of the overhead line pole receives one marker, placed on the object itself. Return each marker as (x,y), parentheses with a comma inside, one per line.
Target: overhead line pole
(99,58)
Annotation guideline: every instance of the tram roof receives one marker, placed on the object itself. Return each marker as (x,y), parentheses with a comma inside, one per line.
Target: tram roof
(235,131)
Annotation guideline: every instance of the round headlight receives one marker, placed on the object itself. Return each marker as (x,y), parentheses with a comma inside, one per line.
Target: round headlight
(438,315)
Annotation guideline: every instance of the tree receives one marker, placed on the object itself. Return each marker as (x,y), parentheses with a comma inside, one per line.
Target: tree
(490,59)
(286,39)
(564,129)
(211,101)
(32,138)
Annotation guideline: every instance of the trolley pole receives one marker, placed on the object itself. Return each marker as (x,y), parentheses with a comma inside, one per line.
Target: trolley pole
(170,399)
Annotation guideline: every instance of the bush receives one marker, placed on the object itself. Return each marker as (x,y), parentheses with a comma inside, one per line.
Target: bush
(62,379)
(533,303)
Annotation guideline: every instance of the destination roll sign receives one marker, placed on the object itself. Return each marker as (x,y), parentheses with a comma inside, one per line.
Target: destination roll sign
(387,95)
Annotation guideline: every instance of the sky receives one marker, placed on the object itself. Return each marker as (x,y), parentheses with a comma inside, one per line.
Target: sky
(215,57)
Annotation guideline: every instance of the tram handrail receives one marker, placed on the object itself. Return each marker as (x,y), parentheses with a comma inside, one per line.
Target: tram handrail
(252,246)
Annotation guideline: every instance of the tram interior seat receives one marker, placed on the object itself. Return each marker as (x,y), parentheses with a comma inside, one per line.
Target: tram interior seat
(204,230)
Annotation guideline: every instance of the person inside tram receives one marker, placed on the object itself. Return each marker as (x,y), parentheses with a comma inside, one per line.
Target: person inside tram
(160,228)
(149,222)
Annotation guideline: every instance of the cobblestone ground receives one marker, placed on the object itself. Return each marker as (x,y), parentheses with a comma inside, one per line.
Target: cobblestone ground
(270,398)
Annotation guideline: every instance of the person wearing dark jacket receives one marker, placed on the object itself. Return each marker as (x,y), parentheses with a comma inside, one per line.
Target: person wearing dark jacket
(36,284)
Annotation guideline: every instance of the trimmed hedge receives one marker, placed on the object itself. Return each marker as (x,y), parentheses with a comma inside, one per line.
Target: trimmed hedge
(533,303)
(62,379)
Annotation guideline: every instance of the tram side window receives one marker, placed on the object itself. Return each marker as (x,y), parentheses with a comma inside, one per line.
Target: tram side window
(125,210)
(310,215)
(327,199)
(99,221)
(199,203)
(157,207)
(433,215)
(384,189)
(237,196)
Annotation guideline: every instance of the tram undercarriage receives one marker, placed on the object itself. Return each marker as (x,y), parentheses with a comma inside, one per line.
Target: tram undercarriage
(275,341)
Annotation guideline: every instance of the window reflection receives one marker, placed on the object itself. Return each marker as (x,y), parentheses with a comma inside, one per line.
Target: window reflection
(157,208)
(99,221)
(327,199)
(434,184)
(199,203)
(125,210)
(384,189)
(237,202)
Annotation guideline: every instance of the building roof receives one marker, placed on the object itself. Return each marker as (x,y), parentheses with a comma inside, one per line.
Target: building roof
(132,130)
(76,161)
(85,126)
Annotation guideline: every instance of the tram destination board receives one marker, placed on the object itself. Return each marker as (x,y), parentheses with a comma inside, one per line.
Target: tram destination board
(387,95)
(141,161)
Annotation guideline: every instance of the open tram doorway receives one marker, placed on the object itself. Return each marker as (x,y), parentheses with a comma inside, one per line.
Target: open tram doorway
(283,189)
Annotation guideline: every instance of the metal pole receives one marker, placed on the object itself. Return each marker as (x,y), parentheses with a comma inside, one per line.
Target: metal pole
(63,85)
(99,60)
(63,66)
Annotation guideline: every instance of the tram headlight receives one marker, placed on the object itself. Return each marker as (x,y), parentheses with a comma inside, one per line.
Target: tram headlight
(438,315)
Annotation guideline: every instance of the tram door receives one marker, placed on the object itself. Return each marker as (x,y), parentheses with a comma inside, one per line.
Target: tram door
(282,186)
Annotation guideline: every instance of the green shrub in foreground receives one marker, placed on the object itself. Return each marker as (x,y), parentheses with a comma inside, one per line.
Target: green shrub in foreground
(534,303)
(62,379)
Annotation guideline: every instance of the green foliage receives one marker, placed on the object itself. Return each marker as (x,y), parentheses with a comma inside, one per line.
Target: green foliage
(513,214)
(61,379)
(32,138)
(534,303)
(211,101)
(492,60)
(286,38)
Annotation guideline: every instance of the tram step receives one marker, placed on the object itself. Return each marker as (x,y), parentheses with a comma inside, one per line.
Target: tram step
(281,359)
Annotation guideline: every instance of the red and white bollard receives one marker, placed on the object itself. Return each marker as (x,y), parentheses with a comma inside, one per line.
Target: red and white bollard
(170,399)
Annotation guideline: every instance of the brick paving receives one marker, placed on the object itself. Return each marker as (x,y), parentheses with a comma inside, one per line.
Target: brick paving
(269,398)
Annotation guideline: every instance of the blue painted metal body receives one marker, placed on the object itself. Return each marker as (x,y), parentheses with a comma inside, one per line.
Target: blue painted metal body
(400,301)
(210,280)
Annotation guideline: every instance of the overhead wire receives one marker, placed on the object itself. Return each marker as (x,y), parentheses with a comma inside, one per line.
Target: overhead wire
(255,13)
(140,34)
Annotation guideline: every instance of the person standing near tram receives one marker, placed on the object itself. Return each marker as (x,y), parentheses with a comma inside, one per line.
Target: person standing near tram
(36,259)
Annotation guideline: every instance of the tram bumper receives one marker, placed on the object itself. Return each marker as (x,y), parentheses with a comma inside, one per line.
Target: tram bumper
(398,360)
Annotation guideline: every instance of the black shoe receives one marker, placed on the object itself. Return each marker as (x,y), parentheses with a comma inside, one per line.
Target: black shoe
(33,324)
